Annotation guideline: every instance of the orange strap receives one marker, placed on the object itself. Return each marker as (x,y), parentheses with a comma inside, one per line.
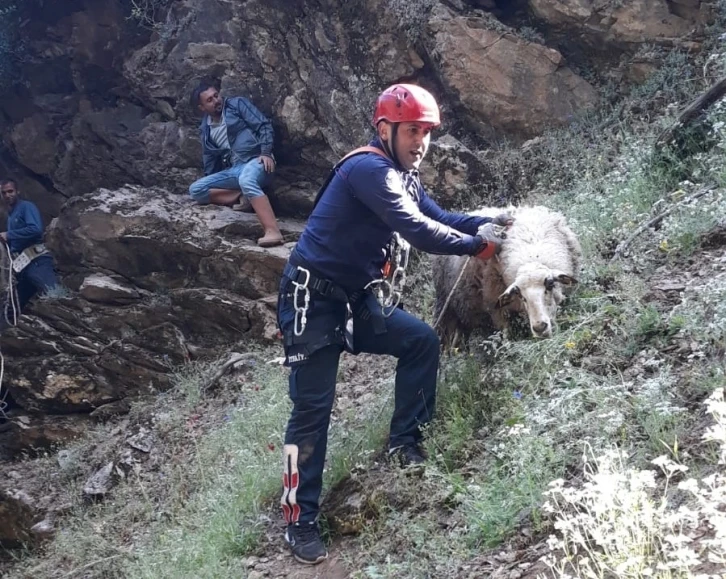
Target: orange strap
(366,149)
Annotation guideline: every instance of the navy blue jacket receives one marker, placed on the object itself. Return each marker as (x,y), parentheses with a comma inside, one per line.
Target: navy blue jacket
(365,202)
(25,227)
(250,134)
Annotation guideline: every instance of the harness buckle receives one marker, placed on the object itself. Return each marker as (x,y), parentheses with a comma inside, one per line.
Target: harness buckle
(322,286)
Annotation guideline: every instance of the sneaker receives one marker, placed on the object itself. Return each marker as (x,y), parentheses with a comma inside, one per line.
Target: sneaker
(407,455)
(305,543)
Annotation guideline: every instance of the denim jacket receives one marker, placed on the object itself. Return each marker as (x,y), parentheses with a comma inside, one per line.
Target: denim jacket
(250,135)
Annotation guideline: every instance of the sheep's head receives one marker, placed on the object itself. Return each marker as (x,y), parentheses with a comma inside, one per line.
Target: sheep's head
(538,291)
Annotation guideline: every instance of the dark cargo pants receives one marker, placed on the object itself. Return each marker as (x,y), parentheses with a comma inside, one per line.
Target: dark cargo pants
(312,388)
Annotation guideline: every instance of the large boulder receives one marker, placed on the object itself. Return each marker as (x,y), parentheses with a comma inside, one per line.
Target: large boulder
(153,282)
(505,83)
(608,24)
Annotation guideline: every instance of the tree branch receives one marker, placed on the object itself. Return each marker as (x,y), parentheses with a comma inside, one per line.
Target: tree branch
(620,249)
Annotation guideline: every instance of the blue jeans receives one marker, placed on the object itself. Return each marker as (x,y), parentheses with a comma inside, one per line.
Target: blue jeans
(37,277)
(312,390)
(248,177)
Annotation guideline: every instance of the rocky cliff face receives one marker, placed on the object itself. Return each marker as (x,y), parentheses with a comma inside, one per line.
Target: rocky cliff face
(153,282)
(102,102)
(101,134)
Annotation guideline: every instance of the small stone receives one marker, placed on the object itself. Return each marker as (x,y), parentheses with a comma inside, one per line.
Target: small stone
(23,497)
(99,484)
(251,561)
(255,575)
(141,441)
(43,529)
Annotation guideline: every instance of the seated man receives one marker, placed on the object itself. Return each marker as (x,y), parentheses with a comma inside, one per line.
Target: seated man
(237,152)
(24,238)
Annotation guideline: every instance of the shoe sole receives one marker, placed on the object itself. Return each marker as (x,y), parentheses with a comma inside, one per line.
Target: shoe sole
(306,562)
(301,560)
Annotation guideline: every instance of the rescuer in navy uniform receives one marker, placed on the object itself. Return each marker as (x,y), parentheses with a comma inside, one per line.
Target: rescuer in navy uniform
(372,204)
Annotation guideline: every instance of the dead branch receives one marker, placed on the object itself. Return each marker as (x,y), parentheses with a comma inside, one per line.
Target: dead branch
(620,249)
(691,112)
(222,370)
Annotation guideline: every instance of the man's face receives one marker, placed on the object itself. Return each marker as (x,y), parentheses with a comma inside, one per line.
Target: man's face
(210,102)
(9,193)
(411,143)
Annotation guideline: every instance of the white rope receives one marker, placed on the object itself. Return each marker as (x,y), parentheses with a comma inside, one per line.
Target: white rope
(451,293)
(11,293)
(12,298)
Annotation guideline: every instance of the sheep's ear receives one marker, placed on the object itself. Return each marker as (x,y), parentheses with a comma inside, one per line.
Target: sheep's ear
(565,279)
(509,294)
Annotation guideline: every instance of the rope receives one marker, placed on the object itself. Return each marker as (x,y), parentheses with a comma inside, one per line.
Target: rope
(6,265)
(451,293)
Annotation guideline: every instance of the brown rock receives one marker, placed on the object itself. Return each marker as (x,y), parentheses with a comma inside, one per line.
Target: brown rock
(147,236)
(34,144)
(16,519)
(451,171)
(113,340)
(108,106)
(505,83)
(606,25)
(33,432)
(104,289)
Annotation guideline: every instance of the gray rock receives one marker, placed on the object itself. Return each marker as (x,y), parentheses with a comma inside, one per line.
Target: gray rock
(100,483)
(104,289)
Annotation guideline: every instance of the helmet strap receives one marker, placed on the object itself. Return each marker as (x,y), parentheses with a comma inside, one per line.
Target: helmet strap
(391,149)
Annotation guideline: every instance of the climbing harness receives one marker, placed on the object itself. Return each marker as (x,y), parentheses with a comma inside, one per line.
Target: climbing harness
(23,259)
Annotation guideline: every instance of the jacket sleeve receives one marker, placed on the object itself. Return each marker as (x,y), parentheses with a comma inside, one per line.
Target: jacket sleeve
(259,123)
(466,223)
(209,160)
(378,185)
(210,163)
(33,227)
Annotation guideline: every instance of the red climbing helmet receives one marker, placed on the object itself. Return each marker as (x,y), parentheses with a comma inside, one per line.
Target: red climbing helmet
(402,103)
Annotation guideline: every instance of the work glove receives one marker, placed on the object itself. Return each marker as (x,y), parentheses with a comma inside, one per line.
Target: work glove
(490,241)
(503,219)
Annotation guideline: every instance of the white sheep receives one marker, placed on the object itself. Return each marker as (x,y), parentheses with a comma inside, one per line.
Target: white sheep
(536,268)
